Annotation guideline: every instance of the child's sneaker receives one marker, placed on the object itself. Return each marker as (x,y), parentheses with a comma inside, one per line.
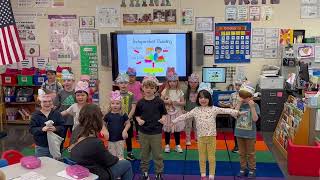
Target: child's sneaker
(131,157)
(252,174)
(242,174)
(159,176)
(145,176)
(235,149)
(203,178)
(178,149)
(188,143)
(167,149)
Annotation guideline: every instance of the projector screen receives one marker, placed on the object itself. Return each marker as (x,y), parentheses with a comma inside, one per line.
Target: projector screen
(152,53)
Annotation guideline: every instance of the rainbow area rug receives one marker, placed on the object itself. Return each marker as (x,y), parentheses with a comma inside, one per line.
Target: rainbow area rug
(186,166)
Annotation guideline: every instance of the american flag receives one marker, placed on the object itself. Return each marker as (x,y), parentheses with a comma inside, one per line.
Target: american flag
(11,50)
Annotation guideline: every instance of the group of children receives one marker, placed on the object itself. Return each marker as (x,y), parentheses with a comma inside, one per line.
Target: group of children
(153,112)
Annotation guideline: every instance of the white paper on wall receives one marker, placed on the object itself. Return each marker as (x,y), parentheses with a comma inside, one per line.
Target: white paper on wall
(107,16)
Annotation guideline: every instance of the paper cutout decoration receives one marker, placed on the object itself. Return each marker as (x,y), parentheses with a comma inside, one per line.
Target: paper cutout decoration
(305,51)
(286,36)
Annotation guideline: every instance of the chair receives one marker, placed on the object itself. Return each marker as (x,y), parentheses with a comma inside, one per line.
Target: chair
(12,156)
(3,163)
(69,161)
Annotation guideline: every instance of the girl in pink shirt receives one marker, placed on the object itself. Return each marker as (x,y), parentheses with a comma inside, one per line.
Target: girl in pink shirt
(134,86)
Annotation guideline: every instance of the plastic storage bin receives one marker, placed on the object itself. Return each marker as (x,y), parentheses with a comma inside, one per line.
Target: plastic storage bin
(38,80)
(25,80)
(9,79)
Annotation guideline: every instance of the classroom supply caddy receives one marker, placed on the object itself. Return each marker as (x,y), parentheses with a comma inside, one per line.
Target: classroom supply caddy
(291,137)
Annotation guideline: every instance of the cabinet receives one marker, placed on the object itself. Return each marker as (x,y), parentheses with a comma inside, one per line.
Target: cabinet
(272,101)
(17,110)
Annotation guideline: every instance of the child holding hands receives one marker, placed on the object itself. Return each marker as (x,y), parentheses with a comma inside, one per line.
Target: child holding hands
(205,118)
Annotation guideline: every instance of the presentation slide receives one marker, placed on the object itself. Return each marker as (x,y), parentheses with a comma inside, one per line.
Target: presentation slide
(152,53)
(214,75)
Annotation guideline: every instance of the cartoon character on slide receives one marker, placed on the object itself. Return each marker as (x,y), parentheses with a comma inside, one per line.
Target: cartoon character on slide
(158,50)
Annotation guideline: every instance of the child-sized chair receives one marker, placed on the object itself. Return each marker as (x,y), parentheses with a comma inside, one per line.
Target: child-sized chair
(12,156)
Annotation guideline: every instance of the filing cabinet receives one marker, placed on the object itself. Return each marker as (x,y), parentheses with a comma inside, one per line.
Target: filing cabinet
(272,101)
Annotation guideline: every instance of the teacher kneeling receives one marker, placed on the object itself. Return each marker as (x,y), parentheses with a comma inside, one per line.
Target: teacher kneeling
(90,152)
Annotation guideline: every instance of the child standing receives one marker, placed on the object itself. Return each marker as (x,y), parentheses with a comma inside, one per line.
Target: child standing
(92,90)
(191,102)
(234,99)
(38,127)
(245,130)
(134,86)
(66,98)
(51,85)
(128,105)
(81,92)
(118,125)
(150,114)
(174,99)
(205,118)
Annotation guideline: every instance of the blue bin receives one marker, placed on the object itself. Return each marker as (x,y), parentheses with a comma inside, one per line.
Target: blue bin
(38,80)
(220,96)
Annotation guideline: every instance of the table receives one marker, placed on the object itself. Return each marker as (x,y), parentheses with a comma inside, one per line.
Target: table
(49,168)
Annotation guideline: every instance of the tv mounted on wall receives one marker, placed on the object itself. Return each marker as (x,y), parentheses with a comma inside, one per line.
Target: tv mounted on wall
(152,53)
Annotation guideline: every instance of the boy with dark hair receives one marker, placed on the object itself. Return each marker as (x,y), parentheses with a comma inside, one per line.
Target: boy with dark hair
(51,85)
(150,114)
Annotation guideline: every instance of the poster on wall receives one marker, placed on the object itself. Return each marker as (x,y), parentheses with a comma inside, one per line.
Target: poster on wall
(309,9)
(89,66)
(63,37)
(26,63)
(317,56)
(144,3)
(25,3)
(258,43)
(231,13)
(27,28)
(32,50)
(232,42)
(88,36)
(272,43)
(298,36)
(43,3)
(86,22)
(242,13)
(164,16)
(107,16)
(305,51)
(187,16)
(58,3)
(254,13)
(267,13)
(204,24)
(40,62)
(89,61)
(286,37)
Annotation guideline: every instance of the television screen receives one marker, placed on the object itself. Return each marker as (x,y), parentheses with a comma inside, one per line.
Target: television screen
(152,53)
(214,74)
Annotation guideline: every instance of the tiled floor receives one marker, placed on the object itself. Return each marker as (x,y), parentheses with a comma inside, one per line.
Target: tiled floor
(19,137)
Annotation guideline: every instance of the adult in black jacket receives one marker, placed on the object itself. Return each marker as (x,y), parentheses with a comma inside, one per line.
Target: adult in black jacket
(39,129)
(90,152)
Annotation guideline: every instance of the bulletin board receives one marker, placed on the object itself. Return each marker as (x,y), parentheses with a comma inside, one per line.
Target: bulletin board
(232,42)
